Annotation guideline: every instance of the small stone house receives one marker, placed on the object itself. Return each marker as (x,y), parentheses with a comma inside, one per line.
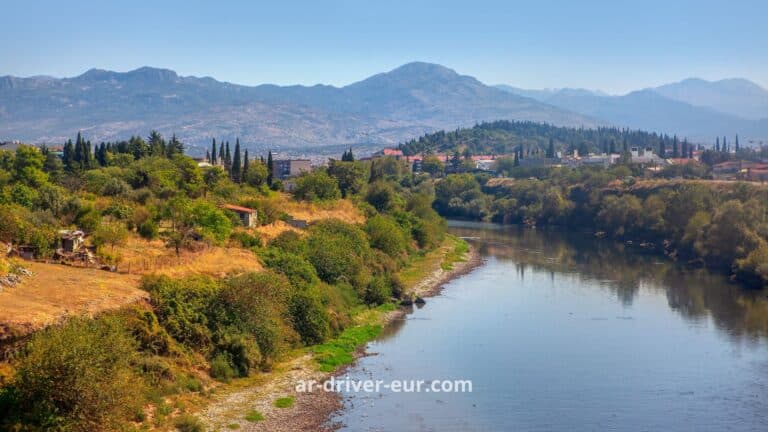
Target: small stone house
(71,240)
(247,215)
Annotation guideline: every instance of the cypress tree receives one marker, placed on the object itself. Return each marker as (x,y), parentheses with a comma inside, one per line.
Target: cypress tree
(236,163)
(227,157)
(246,163)
(221,152)
(69,155)
(717,144)
(213,160)
(551,149)
(270,172)
(736,145)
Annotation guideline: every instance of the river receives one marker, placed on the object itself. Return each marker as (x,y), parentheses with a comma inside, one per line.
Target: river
(563,332)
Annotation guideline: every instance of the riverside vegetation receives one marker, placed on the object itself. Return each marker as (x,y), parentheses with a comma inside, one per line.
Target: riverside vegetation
(143,365)
(679,210)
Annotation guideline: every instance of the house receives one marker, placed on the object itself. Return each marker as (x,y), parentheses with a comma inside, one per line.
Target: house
(285,168)
(247,215)
(396,153)
(71,240)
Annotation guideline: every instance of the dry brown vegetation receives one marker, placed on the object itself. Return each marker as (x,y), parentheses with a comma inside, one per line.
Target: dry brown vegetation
(144,257)
(55,291)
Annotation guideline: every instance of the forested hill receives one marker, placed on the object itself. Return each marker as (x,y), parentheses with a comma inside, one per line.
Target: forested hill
(503,137)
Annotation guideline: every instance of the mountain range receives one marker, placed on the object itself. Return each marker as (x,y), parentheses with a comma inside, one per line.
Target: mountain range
(385,109)
(694,108)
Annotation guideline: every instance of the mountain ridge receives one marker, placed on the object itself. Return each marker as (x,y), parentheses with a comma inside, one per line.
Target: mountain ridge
(385,108)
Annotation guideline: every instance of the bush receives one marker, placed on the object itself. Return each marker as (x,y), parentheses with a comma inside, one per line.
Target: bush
(221,369)
(309,317)
(246,240)
(377,292)
(79,376)
(297,269)
(148,230)
(386,235)
(182,307)
(189,423)
(316,186)
(257,304)
(241,353)
(290,241)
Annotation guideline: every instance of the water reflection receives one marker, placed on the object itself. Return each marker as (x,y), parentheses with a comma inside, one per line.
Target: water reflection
(693,293)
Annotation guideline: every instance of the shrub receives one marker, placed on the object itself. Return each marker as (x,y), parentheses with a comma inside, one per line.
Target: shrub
(221,369)
(316,186)
(148,230)
(254,416)
(297,269)
(377,292)
(337,249)
(182,307)
(79,376)
(386,235)
(246,240)
(290,241)
(212,221)
(241,352)
(257,304)
(309,317)
(115,187)
(284,402)
(189,423)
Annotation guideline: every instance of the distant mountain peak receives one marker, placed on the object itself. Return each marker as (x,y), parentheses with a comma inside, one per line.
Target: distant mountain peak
(144,73)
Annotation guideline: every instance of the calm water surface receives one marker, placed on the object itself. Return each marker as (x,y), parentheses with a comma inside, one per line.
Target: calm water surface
(561,332)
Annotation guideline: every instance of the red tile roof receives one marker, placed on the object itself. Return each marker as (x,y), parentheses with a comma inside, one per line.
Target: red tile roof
(238,208)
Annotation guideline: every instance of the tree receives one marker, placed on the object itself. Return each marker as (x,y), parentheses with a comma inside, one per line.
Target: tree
(432,165)
(110,234)
(214,158)
(270,169)
(349,175)
(316,186)
(236,171)
(174,147)
(551,149)
(227,158)
(156,144)
(736,144)
(246,167)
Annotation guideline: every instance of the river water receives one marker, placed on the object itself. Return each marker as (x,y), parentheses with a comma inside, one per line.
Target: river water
(562,332)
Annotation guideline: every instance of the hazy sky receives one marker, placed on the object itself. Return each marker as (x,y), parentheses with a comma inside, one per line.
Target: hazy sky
(610,45)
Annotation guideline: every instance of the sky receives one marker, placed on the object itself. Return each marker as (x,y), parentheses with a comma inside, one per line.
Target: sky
(616,46)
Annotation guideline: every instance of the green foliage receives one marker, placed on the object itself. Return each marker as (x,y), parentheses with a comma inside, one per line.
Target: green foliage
(257,304)
(349,175)
(78,376)
(212,222)
(246,240)
(254,416)
(309,316)
(182,307)
(385,234)
(337,250)
(339,351)
(316,186)
(382,196)
(295,267)
(378,291)
(284,402)
(189,423)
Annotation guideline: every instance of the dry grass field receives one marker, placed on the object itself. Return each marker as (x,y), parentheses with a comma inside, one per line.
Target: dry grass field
(55,291)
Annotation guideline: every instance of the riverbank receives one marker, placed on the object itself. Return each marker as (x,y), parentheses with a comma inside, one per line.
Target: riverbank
(252,405)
